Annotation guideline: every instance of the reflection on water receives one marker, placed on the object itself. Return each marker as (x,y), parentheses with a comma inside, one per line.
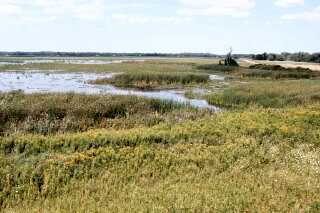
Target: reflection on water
(33,82)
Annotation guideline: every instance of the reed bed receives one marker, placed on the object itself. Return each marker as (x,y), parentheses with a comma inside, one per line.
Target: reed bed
(53,113)
(154,80)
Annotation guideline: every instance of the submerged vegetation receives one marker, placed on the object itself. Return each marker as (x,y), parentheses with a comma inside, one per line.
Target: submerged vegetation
(77,153)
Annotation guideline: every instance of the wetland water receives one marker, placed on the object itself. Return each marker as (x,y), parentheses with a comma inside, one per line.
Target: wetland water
(51,82)
(67,61)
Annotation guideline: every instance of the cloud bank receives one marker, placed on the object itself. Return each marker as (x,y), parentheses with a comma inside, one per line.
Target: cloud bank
(83,9)
(234,8)
(310,15)
(288,3)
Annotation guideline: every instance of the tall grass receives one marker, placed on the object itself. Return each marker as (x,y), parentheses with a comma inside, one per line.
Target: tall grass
(268,94)
(152,80)
(230,162)
(51,113)
(278,74)
(152,65)
(261,71)
(217,68)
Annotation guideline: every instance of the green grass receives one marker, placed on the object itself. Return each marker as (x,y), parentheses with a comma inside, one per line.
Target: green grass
(269,94)
(275,72)
(278,72)
(52,113)
(236,161)
(154,80)
(152,65)
(217,68)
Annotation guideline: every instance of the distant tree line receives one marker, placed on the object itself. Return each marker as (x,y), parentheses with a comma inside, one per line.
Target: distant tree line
(298,57)
(99,54)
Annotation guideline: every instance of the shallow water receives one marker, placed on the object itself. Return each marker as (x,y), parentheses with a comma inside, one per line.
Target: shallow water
(67,61)
(217,77)
(44,82)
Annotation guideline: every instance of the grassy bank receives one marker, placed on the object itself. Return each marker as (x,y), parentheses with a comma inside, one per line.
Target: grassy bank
(154,80)
(268,94)
(52,113)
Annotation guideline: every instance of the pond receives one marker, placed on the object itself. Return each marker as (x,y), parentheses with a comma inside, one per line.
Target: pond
(55,82)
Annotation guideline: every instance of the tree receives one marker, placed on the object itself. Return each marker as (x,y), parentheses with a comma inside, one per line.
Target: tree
(229,61)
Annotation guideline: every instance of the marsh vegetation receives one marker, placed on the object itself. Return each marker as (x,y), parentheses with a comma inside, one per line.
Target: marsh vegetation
(72,152)
(154,80)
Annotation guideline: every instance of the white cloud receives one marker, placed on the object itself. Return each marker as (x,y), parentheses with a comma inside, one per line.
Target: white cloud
(84,9)
(311,15)
(142,19)
(235,8)
(131,19)
(7,8)
(288,3)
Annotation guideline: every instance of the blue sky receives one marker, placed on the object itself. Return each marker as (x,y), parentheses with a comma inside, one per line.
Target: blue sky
(249,26)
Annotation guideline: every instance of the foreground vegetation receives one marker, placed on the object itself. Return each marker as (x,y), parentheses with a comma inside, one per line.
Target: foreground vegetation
(262,159)
(62,113)
(128,154)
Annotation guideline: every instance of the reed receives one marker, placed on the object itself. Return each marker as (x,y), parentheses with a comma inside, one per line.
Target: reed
(154,80)
(269,94)
(52,113)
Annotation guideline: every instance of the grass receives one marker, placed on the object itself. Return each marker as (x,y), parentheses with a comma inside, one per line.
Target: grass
(268,94)
(154,80)
(217,68)
(60,113)
(275,72)
(152,65)
(237,161)
(129,154)
(278,68)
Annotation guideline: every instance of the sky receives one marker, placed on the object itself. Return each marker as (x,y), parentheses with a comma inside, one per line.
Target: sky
(164,26)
